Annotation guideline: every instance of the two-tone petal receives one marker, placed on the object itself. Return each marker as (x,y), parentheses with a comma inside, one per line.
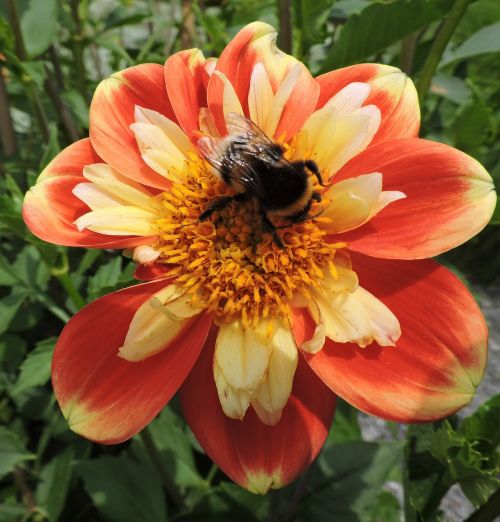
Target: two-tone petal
(268,84)
(186,79)
(51,206)
(449,198)
(390,90)
(435,366)
(112,111)
(104,397)
(255,455)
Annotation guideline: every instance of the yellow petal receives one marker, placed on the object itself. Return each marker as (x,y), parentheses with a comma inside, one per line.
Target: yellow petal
(272,395)
(152,329)
(281,97)
(94,197)
(145,255)
(173,132)
(357,317)
(158,150)
(234,401)
(331,136)
(350,98)
(353,133)
(231,103)
(317,341)
(117,186)
(119,221)
(260,96)
(241,355)
(355,201)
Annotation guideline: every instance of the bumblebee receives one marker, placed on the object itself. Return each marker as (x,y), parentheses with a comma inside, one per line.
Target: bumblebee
(255,167)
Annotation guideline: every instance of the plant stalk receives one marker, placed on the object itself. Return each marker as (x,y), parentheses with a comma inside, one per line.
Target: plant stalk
(441,41)
(487,512)
(285,17)
(74,295)
(6,126)
(156,459)
(188,25)
(65,117)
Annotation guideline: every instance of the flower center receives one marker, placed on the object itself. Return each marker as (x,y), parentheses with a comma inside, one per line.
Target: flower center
(228,263)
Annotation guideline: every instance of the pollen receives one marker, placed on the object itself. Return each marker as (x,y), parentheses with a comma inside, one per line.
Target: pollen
(228,264)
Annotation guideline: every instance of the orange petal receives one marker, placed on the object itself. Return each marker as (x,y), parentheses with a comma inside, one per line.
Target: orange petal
(391,91)
(186,78)
(254,45)
(112,112)
(449,199)
(152,271)
(50,207)
(253,454)
(436,364)
(103,397)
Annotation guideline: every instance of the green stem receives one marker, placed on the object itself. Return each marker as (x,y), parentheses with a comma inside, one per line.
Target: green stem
(78,48)
(73,293)
(156,459)
(33,95)
(61,273)
(410,514)
(211,473)
(487,512)
(441,41)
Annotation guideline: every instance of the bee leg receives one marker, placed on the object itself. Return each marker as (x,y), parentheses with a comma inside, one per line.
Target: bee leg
(311,165)
(268,226)
(316,196)
(220,204)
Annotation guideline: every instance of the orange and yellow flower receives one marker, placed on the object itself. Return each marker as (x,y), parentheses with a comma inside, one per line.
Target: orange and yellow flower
(260,339)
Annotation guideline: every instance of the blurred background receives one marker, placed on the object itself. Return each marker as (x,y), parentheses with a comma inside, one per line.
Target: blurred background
(53,53)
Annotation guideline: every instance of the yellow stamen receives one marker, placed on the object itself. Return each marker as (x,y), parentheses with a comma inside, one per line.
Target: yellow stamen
(227,263)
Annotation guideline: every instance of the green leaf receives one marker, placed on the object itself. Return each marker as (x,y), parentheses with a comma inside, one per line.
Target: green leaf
(311,17)
(39,25)
(471,127)
(385,508)
(483,423)
(451,88)
(361,37)
(345,427)
(12,451)
(174,445)
(495,218)
(11,513)
(474,466)
(12,350)
(52,148)
(106,277)
(486,40)
(226,502)
(124,490)
(349,480)
(54,485)
(35,369)
(9,306)
(77,105)
(7,276)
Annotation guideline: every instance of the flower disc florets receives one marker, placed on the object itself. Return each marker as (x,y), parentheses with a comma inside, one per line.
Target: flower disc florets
(227,263)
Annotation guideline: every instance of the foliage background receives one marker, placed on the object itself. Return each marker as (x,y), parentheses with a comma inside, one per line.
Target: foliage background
(52,55)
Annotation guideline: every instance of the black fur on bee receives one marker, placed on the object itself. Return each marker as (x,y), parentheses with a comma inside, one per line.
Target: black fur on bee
(255,167)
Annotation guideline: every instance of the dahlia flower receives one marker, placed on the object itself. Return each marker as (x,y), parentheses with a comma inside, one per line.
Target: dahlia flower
(259,338)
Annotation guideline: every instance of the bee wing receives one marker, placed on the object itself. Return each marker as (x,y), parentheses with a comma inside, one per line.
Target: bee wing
(237,124)
(214,150)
